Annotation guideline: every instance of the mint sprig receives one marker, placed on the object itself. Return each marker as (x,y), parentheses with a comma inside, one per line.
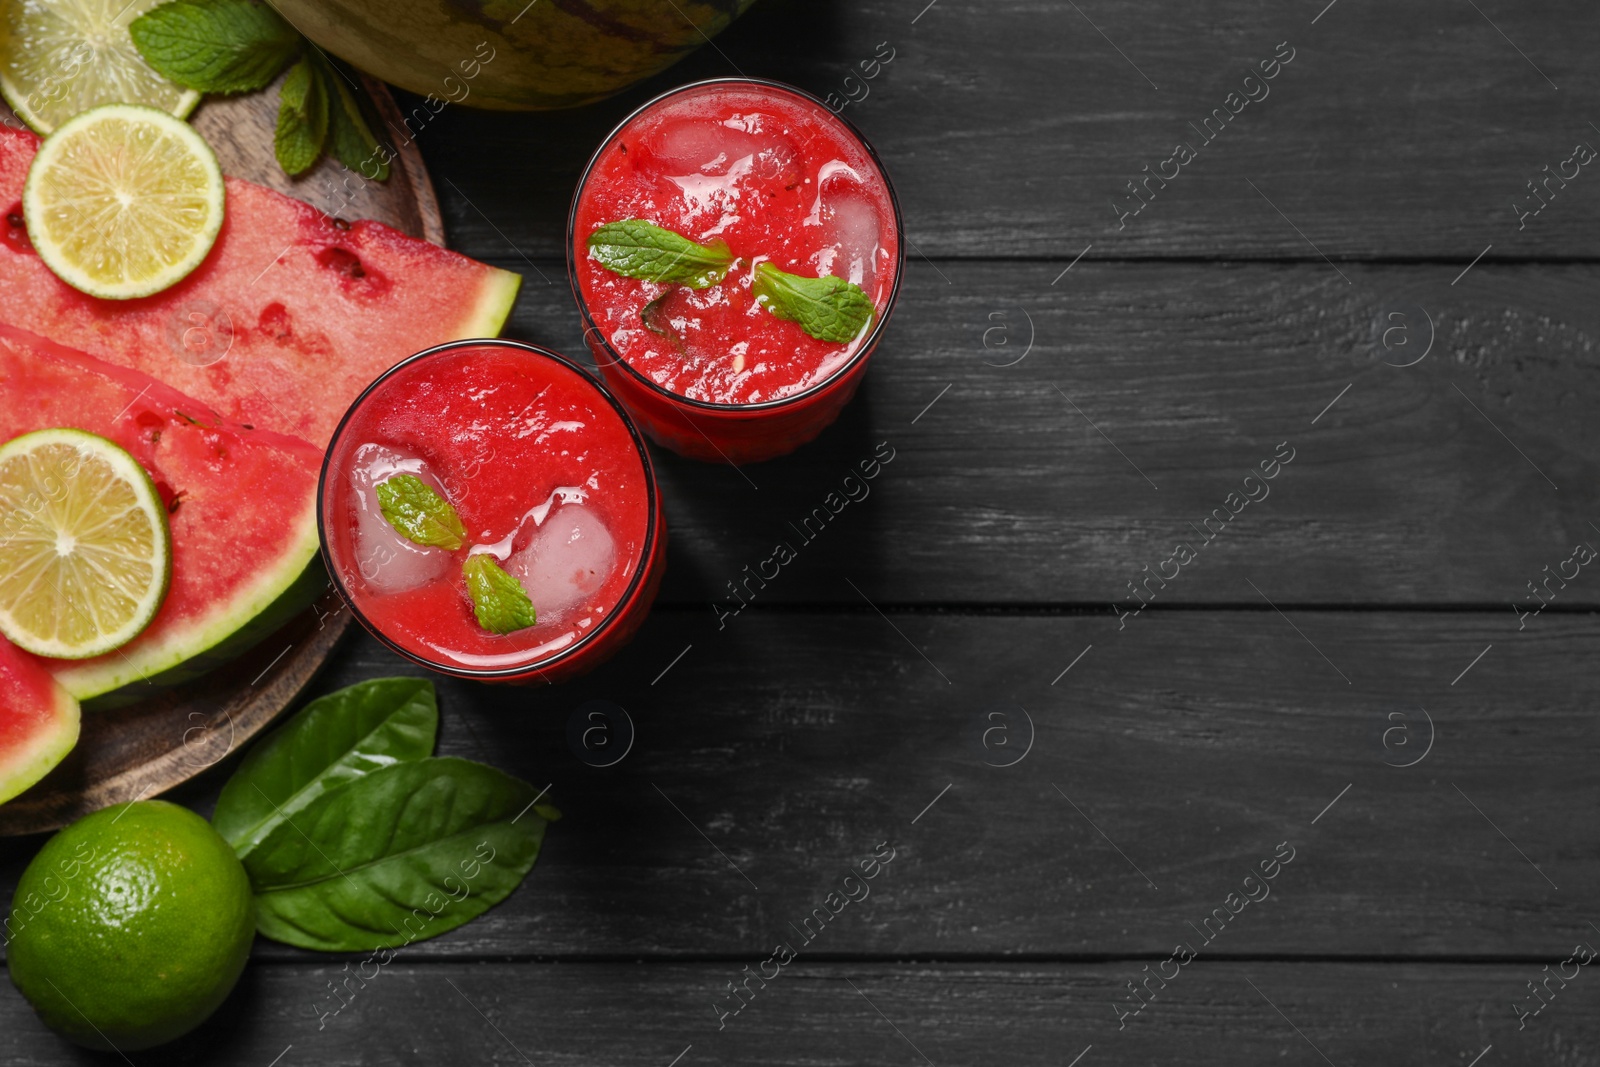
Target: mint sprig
(636,248)
(498,599)
(827,308)
(350,139)
(302,118)
(239,46)
(216,46)
(419,514)
(423,516)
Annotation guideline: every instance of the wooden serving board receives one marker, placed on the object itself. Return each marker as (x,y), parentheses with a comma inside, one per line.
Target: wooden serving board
(143,749)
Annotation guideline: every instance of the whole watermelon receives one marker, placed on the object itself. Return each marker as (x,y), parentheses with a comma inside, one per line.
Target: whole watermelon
(511,54)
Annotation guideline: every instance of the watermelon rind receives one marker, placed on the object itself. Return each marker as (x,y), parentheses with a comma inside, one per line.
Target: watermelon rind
(509,54)
(301,594)
(21,767)
(495,300)
(224,630)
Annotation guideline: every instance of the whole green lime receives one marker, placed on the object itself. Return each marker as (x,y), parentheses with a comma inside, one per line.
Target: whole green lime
(131,926)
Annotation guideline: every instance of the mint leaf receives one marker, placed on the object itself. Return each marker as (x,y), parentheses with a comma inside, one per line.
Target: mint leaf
(419,514)
(656,319)
(639,249)
(350,139)
(498,599)
(827,308)
(215,46)
(302,118)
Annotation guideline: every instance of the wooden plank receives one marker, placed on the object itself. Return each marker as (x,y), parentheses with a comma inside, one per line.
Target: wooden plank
(1027,483)
(1169,761)
(816,1014)
(1398,130)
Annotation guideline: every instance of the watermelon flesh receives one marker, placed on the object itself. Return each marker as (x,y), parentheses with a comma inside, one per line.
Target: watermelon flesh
(288,319)
(241,501)
(38,721)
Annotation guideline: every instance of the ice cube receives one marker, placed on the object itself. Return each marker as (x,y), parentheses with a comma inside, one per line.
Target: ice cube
(836,180)
(712,162)
(850,229)
(718,193)
(389,563)
(566,562)
(848,215)
(699,146)
(695,146)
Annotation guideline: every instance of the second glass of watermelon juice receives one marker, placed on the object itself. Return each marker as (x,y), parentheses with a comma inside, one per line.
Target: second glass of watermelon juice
(547,475)
(768,169)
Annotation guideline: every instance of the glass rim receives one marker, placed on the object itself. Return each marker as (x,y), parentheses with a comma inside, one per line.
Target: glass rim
(646,551)
(867,344)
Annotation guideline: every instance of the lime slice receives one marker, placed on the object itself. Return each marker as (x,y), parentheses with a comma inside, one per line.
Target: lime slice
(123,201)
(84,551)
(60,57)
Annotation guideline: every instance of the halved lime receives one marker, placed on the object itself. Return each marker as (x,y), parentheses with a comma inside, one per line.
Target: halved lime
(123,201)
(60,57)
(85,555)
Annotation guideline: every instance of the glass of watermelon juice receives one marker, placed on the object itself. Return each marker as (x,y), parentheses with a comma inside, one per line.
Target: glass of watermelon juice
(712,372)
(546,475)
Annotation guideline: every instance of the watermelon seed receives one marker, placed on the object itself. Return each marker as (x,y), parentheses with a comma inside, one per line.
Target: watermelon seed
(342,260)
(16,232)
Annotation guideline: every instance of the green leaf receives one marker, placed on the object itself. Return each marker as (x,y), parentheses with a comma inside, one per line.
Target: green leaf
(328,744)
(639,249)
(215,46)
(402,854)
(302,118)
(350,139)
(658,321)
(419,514)
(827,308)
(498,599)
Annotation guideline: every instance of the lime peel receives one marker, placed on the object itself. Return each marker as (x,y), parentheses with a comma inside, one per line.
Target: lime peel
(131,926)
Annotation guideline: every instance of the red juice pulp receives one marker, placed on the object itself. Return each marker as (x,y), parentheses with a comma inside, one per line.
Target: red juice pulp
(546,476)
(775,175)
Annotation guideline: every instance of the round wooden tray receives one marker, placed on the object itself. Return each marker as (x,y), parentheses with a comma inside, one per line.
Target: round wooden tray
(141,750)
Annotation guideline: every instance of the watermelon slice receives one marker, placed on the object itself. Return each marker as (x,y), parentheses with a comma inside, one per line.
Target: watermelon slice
(241,504)
(289,318)
(38,721)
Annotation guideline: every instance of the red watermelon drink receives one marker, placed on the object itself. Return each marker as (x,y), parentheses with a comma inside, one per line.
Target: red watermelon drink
(735,250)
(487,509)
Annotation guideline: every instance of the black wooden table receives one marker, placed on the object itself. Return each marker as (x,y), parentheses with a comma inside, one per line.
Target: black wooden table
(1083,773)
